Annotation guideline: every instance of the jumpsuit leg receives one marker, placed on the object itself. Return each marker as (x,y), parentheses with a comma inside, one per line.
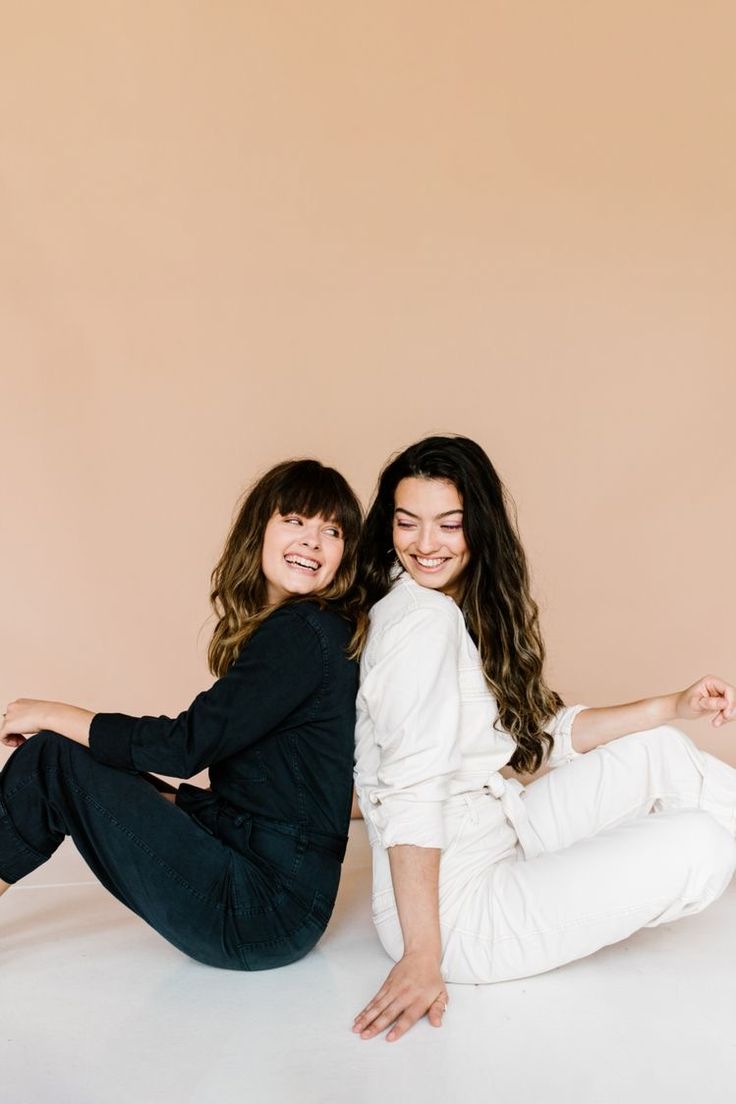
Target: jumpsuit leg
(607,867)
(197,893)
(654,771)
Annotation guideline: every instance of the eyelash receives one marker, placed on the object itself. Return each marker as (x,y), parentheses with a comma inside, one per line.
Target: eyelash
(410,525)
(331,531)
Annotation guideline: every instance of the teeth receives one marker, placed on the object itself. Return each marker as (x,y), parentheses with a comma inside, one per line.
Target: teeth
(430,563)
(302,562)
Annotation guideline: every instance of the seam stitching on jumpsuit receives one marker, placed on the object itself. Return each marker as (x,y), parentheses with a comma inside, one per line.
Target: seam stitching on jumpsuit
(628,817)
(7,818)
(583,921)
(141,844)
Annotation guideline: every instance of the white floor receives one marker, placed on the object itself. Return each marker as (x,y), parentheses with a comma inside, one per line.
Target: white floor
(97,1009)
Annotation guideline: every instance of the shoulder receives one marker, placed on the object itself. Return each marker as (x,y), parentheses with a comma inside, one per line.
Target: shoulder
(407,599)
(301,640)
(410,612)
(309,619)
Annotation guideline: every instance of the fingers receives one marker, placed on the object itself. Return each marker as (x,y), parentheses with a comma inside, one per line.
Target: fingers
(377,1020)
(714,706)
(722,708)
(404,1022)
(8,736)
(712,701)
(13,741)
(17,722)
(386,1009)
(411,1015)
(718,698)
(438,1010)
(372,1009)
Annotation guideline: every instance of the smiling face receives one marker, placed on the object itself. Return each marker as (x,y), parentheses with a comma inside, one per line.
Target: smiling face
(428,534)
(300,555)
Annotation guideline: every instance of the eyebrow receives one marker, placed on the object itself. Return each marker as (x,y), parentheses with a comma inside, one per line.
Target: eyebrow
(447,513)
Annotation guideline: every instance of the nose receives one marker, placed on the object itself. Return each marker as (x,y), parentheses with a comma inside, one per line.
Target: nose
(426,540)
(310,536)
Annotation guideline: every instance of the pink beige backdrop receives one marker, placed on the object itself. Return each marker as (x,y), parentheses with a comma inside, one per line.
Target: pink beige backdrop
(237,231)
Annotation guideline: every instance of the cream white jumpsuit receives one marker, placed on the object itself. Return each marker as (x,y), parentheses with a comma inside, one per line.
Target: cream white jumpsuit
(634,834)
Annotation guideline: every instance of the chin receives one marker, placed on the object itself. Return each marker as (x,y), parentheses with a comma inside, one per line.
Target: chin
(433,583)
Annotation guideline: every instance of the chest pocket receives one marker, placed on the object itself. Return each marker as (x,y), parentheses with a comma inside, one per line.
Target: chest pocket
(473,686)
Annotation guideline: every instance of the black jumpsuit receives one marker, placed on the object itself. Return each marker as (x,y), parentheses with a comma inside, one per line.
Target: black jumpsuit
(244,875)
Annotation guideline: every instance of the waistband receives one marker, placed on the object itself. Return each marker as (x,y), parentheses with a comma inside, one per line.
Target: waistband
(208,809)
(509,793)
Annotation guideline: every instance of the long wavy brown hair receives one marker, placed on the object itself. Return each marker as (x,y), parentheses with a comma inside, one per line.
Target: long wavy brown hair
(499,611)
(238,586)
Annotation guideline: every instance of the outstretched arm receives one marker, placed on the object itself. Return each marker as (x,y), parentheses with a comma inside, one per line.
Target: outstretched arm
(278,668)
(414,986)
(708,697)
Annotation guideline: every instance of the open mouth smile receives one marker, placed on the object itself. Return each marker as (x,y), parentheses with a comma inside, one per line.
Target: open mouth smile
(430,563)
(302,562)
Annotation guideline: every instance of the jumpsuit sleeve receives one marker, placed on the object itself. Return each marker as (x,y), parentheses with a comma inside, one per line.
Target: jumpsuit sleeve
(560,727)
(412,696)
(277,670)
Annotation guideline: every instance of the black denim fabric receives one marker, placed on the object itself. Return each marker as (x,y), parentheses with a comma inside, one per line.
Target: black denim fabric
(243,876)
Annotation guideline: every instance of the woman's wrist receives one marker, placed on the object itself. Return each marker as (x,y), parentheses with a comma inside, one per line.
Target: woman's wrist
(51,718)
(68,720)
(665,709)
(428,946)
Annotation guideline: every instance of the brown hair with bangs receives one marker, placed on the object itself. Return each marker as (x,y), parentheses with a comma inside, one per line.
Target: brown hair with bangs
(238,586)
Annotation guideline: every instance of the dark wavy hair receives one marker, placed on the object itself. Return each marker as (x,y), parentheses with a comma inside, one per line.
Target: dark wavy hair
(499,611)
(238,587)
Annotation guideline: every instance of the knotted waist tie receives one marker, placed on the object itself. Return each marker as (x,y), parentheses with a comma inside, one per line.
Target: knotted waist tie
(508,791)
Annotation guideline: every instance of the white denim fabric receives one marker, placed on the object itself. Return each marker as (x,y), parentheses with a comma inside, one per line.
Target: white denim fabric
(633,834)
(426,719)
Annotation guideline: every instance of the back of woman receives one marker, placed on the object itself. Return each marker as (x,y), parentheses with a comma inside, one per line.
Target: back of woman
(242,875)
(487,867)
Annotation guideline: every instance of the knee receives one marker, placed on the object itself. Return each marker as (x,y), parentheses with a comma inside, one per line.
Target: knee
(51,745)
(42,745)
(667,736)
(49,753)
(664,741)
(47,738)
(705,845)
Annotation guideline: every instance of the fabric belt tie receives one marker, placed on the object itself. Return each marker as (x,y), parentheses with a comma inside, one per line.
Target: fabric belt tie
(508,791)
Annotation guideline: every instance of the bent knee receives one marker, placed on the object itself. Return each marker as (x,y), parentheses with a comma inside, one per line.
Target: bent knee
(667,736)
(47,738)
(45,744)
(663,742)
(53,746)
(703,843)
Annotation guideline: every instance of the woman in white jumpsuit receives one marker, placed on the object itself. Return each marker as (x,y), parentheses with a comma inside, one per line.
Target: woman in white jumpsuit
(476,877)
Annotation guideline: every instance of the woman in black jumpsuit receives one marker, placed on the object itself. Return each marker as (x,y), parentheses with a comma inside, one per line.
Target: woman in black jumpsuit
(243,875)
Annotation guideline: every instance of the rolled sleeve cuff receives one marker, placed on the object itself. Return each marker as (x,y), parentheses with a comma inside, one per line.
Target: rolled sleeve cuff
(398,822)
(111,739)
(561,729)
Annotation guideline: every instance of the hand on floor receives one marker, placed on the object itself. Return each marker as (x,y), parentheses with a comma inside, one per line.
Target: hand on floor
(412,989)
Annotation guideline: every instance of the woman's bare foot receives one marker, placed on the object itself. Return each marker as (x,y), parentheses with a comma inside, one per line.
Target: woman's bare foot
(3,887)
